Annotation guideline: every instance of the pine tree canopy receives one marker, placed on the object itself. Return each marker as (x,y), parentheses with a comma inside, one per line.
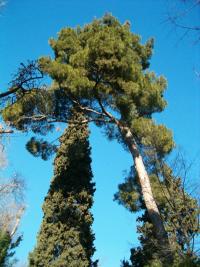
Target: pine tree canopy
(103,69)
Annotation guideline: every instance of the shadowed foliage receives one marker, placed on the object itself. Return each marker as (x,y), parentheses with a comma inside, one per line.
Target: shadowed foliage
(65,237)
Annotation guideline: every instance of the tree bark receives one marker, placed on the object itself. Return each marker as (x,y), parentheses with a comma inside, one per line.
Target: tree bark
(147,194)
(9,92)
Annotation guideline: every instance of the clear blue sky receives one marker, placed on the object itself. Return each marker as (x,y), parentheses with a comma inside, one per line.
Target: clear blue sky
(25,27)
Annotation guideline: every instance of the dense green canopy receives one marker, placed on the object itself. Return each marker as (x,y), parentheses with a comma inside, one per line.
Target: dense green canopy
(65,237)
(99,68)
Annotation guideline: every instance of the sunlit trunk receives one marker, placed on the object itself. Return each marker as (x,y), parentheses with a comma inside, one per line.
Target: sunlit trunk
(147,193)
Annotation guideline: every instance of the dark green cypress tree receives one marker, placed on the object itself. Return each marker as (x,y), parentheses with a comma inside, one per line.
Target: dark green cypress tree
(65,237)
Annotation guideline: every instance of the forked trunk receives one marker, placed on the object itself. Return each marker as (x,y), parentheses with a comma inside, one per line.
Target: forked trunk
(147,194)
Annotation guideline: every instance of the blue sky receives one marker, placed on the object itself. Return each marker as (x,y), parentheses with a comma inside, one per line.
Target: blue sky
(25,27)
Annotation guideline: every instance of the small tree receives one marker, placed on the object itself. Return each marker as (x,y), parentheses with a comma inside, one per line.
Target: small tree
(65,237)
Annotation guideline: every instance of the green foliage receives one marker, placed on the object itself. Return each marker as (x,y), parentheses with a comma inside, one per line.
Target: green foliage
(129,195)
(65,237)
(153,137)
(7,246)
(105,60)
(180,213)
(100,64)
(101,69)
(22,112)
(40,148)
(4,247)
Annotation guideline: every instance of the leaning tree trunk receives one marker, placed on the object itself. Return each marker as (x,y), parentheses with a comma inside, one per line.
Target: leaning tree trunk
(147,194)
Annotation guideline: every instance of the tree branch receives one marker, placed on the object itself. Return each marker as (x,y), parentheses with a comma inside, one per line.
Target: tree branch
(18,217)
(6,131)
(9,92)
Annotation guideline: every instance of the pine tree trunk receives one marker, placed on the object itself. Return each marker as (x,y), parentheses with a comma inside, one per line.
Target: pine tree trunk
(147,193)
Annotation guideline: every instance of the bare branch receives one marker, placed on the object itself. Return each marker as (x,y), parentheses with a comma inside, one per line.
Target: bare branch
(179,19)
(6,131)
(11,203)
(17,222)
(27,78)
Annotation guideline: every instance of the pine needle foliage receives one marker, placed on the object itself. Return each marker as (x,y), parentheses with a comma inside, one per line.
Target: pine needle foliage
(7,248)
(179,210)
(5,241)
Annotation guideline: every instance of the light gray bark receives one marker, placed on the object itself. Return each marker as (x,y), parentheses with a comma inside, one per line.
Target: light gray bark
(147,193)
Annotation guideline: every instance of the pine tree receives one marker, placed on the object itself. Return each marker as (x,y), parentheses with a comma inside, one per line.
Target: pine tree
(102,68)
(65,237)
(180,213)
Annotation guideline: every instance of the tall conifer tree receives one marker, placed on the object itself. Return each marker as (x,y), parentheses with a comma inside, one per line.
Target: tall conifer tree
(180,213)
(103,69)
(65,237)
